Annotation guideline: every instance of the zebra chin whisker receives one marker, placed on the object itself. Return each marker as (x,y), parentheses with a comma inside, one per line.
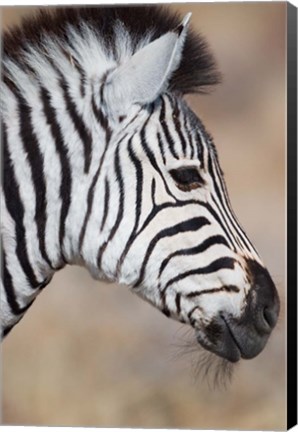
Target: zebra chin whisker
(216,371)
(206,367)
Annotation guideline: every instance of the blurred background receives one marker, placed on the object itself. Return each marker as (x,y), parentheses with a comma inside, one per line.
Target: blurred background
(90,354)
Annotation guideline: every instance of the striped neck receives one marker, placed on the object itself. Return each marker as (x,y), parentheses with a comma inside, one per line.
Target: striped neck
(52,163)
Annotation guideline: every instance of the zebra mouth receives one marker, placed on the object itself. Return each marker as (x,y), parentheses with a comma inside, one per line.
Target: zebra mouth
(232,337)
(233,340)
(221,340)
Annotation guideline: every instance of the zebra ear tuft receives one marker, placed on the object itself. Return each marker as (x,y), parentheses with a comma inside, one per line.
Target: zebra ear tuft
(146,74)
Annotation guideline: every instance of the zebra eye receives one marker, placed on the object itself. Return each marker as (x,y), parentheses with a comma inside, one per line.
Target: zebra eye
(187,178)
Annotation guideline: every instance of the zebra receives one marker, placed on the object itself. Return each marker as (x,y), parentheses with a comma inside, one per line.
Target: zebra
(106,166)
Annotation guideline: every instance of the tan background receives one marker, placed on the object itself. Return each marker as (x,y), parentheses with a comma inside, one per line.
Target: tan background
(88,354)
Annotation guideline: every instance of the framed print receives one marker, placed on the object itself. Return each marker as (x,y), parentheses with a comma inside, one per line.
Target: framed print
(148,216)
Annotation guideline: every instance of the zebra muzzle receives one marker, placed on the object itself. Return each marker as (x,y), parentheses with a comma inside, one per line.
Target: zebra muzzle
(245,336)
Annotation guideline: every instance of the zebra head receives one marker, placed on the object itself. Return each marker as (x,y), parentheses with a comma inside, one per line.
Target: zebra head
(178,243)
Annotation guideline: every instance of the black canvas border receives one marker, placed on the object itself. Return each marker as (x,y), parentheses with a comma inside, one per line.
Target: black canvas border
(292,215)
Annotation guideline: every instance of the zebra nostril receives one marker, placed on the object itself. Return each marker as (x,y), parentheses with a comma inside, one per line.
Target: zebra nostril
(267,318)
(270,315)
(264,301)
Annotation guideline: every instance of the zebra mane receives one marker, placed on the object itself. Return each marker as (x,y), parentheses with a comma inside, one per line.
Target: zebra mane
(120,31)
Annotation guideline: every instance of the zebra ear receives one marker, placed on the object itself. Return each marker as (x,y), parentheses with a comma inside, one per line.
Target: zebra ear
(146,74)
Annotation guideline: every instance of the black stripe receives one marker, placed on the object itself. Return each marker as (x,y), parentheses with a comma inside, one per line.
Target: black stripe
(223,216)
(226,288)
(35,159)
(101,118)
(90,197)
(211,241)
(7,330)
(224,210)
(15,308)
(138,202)
(78,124)
(200,150)
(152,160)
(166,311)
(192,147)
(66,180)
(168,137)
(119,180)
(224,200)
(153,190)
(219,264)
(234,240)
(190,225)
(155,210)
(219,221)
(233,218)
(81,72)
(139,183)
(161,148)
(106,204)
(150,154)
(104,124)
(177,124)
(178,303)
(182,204)
(204,154)
(133,119)
(16,210)
(188,132)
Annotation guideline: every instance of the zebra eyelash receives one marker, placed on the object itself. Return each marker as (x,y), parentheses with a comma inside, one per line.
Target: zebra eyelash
(187,178)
